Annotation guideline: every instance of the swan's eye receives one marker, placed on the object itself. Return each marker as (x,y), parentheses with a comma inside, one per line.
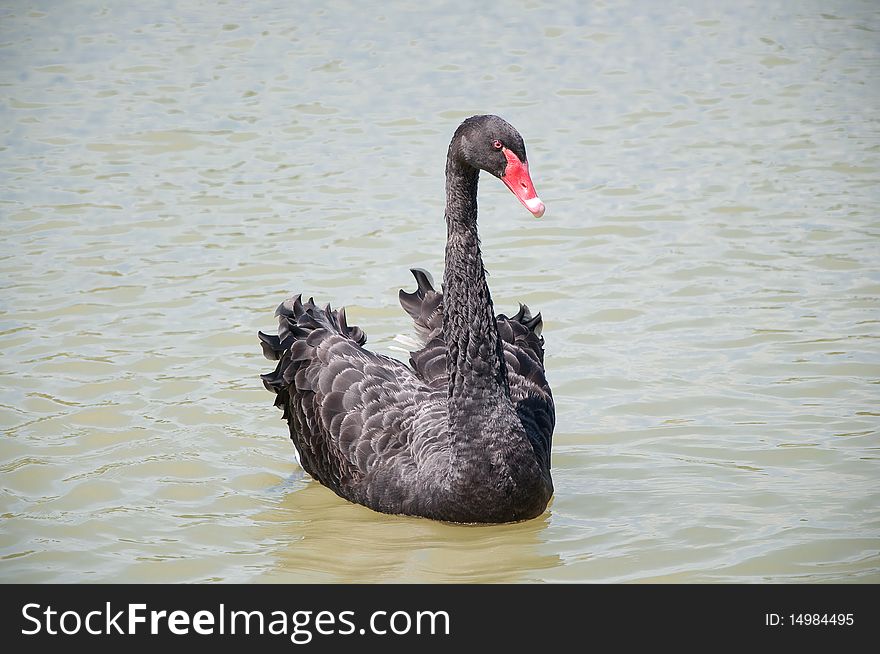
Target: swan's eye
(497,144)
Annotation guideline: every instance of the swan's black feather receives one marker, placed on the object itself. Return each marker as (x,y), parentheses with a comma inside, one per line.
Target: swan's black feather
(354,416)
(374,430)
(524,357)
(423,305)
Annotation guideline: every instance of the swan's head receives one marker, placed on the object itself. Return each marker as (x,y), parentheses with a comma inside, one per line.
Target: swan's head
(492,144)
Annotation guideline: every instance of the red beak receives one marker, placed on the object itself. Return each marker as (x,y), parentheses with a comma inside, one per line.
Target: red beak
(516,177)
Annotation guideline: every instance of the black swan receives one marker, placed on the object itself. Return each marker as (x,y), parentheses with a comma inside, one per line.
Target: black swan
(463,433)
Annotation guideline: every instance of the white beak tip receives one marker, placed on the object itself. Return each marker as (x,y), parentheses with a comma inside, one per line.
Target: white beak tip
(535,206)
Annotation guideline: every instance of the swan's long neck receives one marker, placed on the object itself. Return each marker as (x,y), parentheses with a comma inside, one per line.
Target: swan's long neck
(475,359)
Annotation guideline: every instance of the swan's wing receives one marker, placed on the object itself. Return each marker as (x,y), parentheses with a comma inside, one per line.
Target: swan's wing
(529,390)
(352,413)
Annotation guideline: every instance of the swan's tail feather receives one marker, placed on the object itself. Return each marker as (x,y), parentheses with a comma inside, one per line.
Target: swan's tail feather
(424,305)
(301,327)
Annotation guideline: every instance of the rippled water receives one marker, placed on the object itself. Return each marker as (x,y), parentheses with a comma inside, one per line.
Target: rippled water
(707,269)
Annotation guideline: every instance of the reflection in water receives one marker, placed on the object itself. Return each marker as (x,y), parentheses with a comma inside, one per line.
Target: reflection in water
(317,537)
